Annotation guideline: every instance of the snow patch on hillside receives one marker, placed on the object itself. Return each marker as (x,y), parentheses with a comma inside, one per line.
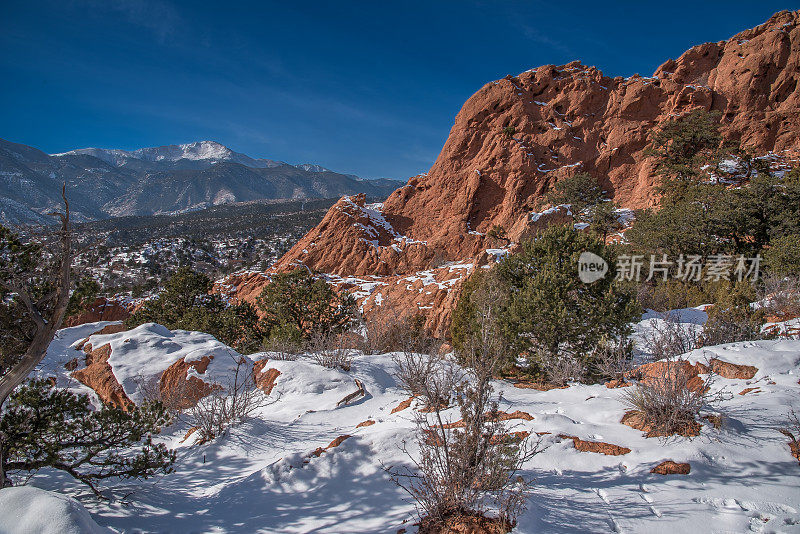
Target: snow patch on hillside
(262,477)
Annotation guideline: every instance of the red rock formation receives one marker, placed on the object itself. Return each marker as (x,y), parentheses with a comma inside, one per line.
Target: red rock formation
(745,391)
(464,523)
(99,376)
(181,390)
(368,422)
(333,444)
(403,405)
(108,329)
(662,371)
(598,447)
(732,370)
(101,310)
(669,467)
(566,117)
(519,414)
(265,380)
(515,137)
(636,419)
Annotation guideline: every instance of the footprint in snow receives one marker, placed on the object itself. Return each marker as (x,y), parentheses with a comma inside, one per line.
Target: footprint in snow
(649,500)
(614,525)
(655,511)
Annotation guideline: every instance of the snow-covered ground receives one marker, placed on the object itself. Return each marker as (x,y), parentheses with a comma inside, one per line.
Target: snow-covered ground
(261,476)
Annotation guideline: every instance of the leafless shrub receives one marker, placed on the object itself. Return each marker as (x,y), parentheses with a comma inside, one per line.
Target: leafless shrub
(669,399)
(484,342)
(467,466)
(792,427)
(330,350)
(649,298)
(781,296)
(176,398)
(670,337)
(560,368)
(229,404)
(414,371)
(426,376)
(390,333)
(281,349)
(729,325)
(612,359)
(150,391)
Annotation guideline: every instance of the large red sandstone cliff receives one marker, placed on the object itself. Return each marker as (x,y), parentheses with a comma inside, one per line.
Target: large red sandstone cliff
(564,119)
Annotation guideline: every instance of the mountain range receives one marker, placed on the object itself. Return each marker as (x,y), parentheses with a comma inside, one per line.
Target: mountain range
(104,183)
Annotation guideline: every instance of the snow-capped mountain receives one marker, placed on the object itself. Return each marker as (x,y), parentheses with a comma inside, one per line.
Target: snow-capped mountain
(166,179)
(205,151)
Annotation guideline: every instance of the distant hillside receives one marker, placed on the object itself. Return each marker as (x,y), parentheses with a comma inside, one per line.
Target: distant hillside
(160,180)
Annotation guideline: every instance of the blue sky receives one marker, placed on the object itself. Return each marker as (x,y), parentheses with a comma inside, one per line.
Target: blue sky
(368,87)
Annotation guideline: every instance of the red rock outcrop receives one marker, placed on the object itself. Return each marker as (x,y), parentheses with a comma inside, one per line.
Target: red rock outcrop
(745,391)
(182,390)
(565,117)
(333,444)
(108,329)
(403,405)
(516,137)
(101,309)
(732,370)
(678,370)
(598,447)
(265,380)
(636,419)
(464,523)
(99,376)
(669,467)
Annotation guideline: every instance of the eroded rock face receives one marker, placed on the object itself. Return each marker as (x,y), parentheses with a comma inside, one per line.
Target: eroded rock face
(265,380)
(99,376)
(559,119)
(516,137)
(101,310)
(180,388)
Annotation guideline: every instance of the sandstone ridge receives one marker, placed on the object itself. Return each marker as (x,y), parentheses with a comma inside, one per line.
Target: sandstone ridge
(516,137)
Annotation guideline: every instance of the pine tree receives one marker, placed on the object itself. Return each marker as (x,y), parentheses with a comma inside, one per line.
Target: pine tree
(296,305)
(683,146)
(544,311)
(83,296)
(187,304)
(34,294)
(580,191)
(50,427)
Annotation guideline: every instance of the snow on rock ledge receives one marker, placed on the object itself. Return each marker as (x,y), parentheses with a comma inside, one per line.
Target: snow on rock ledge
(301,385)
(140,357)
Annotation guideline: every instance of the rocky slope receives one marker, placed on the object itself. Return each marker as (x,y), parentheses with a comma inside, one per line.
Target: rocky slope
(167,179)
(515,137)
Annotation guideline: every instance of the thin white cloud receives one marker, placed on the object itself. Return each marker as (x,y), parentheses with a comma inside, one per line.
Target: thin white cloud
(159,17)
